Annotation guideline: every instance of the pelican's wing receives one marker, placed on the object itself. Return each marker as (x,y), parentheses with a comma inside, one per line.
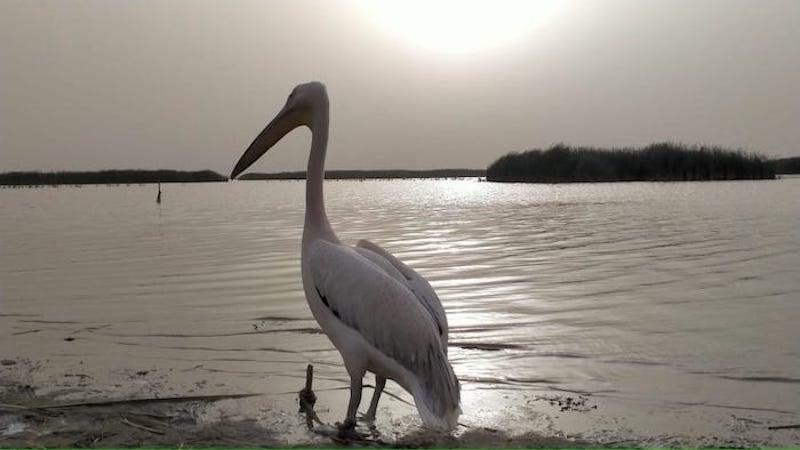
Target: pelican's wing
(411,279)
(371,302)
(381,262)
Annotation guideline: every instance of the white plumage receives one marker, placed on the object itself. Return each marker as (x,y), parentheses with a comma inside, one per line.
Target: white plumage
(381,315)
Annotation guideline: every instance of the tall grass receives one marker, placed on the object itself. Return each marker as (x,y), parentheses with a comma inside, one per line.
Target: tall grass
(656,162)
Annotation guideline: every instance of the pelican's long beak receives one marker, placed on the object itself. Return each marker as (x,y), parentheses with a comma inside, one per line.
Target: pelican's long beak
(283,123)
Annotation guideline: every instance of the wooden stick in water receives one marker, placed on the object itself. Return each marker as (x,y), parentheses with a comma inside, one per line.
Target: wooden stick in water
(307,399)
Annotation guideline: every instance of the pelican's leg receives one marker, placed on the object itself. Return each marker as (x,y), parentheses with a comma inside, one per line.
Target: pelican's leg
(380,383)
(347,429)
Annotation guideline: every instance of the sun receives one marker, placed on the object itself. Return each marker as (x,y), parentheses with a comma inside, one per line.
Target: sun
(458,26)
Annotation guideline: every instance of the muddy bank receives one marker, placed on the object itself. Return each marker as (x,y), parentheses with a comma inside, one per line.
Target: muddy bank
(28,419)
(163,424)
(41,416)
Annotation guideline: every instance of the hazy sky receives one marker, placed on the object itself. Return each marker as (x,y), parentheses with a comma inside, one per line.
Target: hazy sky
(188,84)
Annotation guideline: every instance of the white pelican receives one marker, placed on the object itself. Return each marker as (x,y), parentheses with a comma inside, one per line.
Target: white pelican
(381,315)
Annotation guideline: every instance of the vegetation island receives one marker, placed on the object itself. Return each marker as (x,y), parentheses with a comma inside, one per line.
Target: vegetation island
(558,164)
(656,162)
(786,165)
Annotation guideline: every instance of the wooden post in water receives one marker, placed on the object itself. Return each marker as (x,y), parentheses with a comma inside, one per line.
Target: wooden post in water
(309,376)
(307,398)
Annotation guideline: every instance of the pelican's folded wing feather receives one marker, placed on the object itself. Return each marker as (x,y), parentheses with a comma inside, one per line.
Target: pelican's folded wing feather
(365,298)
(411,279)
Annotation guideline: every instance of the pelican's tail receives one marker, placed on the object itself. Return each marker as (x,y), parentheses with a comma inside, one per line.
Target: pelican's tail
(438,393)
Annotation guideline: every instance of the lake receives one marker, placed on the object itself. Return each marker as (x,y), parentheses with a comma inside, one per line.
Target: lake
(668,313)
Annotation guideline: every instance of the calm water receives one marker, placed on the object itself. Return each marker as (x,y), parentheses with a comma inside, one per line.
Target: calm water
(674,308)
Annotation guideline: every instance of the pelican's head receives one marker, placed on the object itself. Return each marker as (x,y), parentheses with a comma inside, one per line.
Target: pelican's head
(299,110)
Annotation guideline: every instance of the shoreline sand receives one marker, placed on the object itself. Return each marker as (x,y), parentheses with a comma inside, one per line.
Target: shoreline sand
(75,413)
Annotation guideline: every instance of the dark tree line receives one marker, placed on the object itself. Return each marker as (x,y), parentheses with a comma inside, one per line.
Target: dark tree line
(656,162)
(108,177)
(786,165)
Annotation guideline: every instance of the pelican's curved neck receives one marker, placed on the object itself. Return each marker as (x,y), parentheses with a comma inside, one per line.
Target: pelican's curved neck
(316,218)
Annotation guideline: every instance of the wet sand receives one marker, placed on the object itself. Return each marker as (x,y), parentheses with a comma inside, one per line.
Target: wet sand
(93,390)
(71,410)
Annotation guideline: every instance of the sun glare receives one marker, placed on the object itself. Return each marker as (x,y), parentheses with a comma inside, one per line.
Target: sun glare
(458,26)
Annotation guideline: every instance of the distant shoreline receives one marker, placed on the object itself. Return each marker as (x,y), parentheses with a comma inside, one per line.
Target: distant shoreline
(208,176)
(108,177)
(779,167)
(369,174)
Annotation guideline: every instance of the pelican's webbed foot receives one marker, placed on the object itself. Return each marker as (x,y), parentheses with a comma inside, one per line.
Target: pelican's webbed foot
(347,431)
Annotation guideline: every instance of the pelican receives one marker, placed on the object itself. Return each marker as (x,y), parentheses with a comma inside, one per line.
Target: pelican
(381,315)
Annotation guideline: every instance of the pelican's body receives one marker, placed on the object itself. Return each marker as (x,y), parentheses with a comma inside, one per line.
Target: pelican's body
(380,314)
